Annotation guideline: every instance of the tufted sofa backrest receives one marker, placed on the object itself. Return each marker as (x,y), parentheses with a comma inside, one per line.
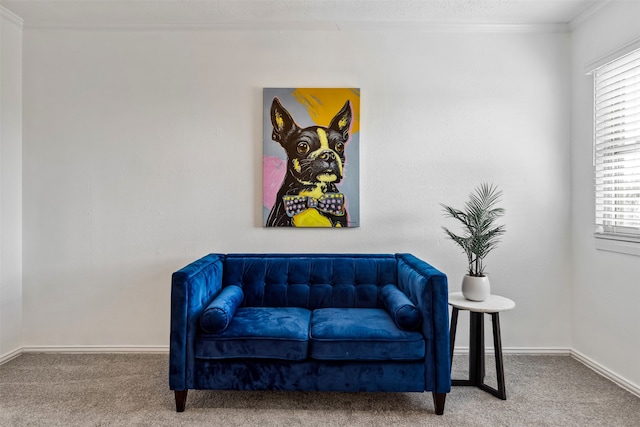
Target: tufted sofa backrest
(310,280)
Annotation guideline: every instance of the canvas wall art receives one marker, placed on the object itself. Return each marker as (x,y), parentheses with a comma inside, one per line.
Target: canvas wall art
(311,156)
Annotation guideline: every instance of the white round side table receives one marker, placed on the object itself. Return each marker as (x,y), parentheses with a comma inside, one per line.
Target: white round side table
(493,305)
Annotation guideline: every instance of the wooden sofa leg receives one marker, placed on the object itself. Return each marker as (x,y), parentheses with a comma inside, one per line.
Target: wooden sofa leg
(438,402)
(181,400)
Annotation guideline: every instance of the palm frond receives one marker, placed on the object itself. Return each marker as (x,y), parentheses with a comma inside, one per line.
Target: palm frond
(481,235)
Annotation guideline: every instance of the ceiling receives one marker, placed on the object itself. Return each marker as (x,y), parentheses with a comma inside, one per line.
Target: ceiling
(304,13)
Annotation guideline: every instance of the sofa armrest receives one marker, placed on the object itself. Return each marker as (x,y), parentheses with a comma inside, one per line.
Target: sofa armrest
(192,289)
(427,288)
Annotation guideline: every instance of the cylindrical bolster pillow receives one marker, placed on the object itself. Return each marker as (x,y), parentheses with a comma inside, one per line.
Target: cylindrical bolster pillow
(218,314)
(404,313)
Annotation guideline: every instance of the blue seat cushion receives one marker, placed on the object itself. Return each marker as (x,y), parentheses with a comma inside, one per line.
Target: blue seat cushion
(361,334)
(259,333)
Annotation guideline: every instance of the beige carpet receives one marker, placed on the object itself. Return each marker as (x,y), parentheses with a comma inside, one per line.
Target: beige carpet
(132,390)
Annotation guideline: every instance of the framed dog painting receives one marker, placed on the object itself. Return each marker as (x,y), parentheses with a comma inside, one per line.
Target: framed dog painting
(311,157)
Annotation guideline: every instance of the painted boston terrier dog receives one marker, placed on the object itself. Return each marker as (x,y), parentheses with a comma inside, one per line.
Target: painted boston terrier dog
(308,196)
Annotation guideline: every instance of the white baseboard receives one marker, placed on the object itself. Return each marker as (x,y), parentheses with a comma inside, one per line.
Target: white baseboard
(10,356)
(84,349)
(521,351)
(552,351)
(531,351)
(612,376)
(524,351)
(71,349)
(79,349)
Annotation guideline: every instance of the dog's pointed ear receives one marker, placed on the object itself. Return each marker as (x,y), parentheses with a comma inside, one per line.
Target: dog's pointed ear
(283,123)
(342,121)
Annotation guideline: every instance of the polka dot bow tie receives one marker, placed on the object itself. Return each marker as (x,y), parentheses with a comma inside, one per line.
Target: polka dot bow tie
(331,203)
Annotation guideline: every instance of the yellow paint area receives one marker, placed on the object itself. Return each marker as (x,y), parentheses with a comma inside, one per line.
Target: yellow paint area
(342,122)
(324,103)
(279,121)
(311,218)
(296,165)
(316,193)
(327,177)
(324,145)
(324,141)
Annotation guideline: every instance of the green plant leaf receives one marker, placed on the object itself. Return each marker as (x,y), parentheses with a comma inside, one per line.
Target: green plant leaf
(480,234)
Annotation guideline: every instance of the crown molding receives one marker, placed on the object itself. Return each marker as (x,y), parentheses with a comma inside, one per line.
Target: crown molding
(453,27)
(11,17)
(347,26)
(586,14)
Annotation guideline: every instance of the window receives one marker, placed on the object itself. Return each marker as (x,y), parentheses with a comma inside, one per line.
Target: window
(617,148)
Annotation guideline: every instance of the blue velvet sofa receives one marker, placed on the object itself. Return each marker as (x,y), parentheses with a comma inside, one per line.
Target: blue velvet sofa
(343,322)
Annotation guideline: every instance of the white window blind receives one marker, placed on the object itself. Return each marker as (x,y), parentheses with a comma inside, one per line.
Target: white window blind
(617,147)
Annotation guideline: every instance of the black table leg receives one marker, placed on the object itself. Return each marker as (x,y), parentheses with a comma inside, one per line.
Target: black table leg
(497,345)
(476,348)
(452,334)
(476,353)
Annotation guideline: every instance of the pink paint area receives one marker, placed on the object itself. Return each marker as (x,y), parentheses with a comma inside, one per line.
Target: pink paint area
(273,170)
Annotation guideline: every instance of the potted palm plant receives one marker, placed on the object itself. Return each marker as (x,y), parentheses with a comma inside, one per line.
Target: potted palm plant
(480,236)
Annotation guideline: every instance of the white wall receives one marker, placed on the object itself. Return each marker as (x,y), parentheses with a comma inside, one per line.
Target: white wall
(10,183)
(142,152)
(606,291)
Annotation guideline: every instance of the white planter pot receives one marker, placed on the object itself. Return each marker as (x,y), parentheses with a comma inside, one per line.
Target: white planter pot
(475,288)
